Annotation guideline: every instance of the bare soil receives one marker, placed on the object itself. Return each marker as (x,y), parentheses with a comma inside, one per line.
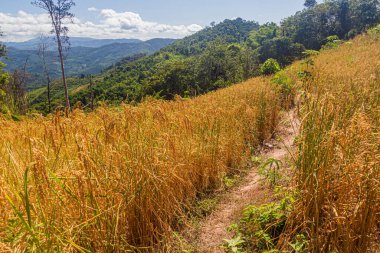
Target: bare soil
(210,235)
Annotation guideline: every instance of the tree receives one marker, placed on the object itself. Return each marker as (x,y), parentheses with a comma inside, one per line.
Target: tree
(2,47)
(12,90)
(17,93)
(310,3)
(281,49)
(59,12)
(43,47)
(171,78)
(265,32)
(364,14)
(270,67)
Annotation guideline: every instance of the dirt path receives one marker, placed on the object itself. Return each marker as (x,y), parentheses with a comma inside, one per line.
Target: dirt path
(213,230)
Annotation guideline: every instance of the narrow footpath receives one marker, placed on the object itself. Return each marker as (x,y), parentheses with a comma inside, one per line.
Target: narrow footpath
(213,229)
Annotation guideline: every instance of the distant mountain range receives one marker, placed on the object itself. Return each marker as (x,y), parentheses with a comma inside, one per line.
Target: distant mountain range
(74,41)
(86,56)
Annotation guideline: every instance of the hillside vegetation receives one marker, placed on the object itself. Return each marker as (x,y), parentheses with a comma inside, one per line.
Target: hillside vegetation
(226,53)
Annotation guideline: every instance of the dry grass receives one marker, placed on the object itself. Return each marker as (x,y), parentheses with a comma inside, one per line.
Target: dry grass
(120,179)
(339,150)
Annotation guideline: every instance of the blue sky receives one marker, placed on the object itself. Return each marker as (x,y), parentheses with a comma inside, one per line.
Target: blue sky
(141,19)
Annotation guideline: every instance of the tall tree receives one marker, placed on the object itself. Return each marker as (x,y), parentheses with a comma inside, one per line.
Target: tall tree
(43,47)
(13,97)
(310,3)
(17,93)
(2,46)
(59,12)
(364,14)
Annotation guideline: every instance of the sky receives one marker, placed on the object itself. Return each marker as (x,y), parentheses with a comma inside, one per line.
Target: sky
(139,19)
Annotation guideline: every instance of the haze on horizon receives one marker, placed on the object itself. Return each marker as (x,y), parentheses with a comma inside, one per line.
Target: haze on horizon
(132,19)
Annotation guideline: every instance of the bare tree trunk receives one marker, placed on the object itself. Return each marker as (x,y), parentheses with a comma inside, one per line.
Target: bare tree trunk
(42,52)
(49,92)
(92,94)
(60,49)
(48,86)
(59,11)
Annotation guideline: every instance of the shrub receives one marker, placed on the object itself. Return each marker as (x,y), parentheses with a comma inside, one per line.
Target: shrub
(332,42)
(286,88)
(270,67)
(374,32)
(310,52)
(261,226)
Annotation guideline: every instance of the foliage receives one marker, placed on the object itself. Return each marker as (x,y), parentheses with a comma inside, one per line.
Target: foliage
(270,169)
(2,48)
(281,49)
(234,245)
(270,67)
(12,93)
(300,245)
(265,32)
(268,43)
(310,53)
(261,226)
(310,3)
(286,86)
(332,42)
(374,32)
(230,31)
(4,80)
(344,18)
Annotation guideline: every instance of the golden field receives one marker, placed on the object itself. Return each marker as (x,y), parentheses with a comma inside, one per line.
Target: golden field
(338,168)
(120,179)
(123,179)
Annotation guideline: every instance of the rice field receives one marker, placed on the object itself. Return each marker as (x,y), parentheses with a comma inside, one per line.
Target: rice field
(122,179)
(338,167)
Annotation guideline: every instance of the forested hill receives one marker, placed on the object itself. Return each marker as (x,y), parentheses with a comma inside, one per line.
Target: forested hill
(230,31)
(221,54)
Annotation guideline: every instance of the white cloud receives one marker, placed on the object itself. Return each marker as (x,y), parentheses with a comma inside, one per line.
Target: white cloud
(93,9)
(23,26)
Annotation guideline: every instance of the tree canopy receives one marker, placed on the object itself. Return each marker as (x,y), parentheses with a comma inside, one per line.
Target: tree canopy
(310,3)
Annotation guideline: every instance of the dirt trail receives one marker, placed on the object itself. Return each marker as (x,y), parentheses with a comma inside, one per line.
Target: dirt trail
(213,230)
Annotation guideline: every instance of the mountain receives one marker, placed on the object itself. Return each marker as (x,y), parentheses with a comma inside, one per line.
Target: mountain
(80,60)
(74,41)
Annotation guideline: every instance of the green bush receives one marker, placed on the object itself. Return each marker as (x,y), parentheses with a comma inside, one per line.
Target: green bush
(260,227)
(286,87)
(310,53)
(374,32)
(270,67)
(332,42)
